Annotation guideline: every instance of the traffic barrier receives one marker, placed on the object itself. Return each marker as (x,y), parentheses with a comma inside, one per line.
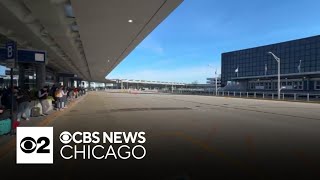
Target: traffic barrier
(294,96)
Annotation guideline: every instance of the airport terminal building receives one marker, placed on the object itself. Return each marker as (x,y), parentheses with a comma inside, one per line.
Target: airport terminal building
(255,69)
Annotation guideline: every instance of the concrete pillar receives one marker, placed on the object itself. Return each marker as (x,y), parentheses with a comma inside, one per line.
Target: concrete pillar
(65,81)
(72,82)
(57,78)
(22,82)
(40,75)
(89,84)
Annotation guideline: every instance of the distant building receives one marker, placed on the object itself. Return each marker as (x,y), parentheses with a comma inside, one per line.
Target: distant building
(254,69)
(212,81)
(143,84)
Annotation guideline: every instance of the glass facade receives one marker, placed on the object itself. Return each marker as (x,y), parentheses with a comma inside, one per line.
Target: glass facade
(289,84)
(317,85)
(297,56)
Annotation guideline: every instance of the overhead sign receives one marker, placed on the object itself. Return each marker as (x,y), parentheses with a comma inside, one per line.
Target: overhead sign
(30,56)
(66,75)
(11,50)
(25,56)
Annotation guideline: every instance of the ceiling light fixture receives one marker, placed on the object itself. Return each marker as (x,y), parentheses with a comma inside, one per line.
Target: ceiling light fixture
(130,21)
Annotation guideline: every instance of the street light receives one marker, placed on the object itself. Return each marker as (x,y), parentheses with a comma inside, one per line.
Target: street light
(278,60)
(299,67)
(216,77)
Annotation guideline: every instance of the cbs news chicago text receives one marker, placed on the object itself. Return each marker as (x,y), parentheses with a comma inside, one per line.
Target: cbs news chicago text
(35,145)
(124,151)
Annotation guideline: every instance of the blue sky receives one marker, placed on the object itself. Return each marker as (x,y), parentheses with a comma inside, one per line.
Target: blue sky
(198,31)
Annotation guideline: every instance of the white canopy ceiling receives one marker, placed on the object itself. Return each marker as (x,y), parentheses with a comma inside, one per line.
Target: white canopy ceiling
(86,38)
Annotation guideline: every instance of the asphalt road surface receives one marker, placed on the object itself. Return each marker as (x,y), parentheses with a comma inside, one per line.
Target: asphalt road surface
(190,137)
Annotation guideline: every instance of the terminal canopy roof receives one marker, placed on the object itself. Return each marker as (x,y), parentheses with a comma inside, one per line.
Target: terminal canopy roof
(86,38)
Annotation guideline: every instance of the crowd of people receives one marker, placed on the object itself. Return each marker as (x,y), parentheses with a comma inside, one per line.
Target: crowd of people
(23,98)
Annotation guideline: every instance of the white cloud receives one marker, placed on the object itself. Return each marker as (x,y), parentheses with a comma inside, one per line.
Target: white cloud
(152,45)
(183,74)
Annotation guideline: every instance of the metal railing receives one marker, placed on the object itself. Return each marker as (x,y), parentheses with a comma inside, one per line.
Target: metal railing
(309,97)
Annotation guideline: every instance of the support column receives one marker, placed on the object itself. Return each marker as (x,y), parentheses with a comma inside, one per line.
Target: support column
(72,82)
(89,84)
(22,79)
(57,78)
(40,75)
(65,81)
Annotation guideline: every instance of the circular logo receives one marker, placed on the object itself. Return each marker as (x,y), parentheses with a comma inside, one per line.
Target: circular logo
(28,145)
(65,137)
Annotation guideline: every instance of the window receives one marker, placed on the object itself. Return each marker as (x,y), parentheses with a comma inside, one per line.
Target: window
(317,85)
(297,85)
(268,86)
(259,85)
(252,85)
(275,85)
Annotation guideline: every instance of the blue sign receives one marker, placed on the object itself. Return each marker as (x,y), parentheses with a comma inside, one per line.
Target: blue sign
(25,56)
(11,50)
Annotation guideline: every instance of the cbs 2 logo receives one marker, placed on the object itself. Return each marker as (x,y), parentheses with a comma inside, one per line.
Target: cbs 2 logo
(29,145)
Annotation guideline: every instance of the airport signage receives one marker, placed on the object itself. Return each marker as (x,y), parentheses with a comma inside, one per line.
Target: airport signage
(10,55)
(28,56)
(22,55)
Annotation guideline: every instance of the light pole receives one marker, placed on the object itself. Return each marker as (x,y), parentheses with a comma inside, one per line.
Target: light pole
(216,77)
(171,87)
(299,67)
(278,60)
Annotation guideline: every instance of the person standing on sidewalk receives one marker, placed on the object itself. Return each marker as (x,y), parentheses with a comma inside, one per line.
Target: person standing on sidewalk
(75,91)
(43,95)
(59,98)
(65,98)
(23,100)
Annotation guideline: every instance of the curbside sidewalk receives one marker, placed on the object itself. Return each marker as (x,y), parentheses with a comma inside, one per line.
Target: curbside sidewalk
(8,142)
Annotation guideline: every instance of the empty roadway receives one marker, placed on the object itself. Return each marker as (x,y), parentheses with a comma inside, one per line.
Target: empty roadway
(194,136)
